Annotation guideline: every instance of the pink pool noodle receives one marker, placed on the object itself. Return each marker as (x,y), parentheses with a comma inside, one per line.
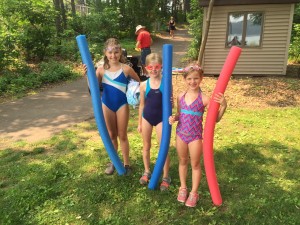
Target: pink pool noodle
(210,123)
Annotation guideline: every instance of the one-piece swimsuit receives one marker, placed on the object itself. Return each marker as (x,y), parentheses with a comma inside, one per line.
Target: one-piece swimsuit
(114,89)
(153,104)
(189,127)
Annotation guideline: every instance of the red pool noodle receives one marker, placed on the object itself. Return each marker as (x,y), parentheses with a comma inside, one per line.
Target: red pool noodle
(210,123)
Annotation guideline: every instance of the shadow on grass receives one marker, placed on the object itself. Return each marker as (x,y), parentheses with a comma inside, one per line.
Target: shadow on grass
(259,185)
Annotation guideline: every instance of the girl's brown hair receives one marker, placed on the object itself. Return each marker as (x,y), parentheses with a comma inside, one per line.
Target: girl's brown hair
(116,44)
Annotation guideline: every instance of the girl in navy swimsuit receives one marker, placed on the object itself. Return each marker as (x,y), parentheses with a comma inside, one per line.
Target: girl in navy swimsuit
(150,115)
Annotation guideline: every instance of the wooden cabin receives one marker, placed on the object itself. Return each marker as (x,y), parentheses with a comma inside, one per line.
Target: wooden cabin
(262,28)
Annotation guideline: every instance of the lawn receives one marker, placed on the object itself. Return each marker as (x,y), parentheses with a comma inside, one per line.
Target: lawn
(257,156)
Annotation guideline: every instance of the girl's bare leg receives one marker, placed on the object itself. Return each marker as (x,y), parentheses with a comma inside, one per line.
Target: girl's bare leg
(111,124)
(195,149)
(146,134)
(183,157)
(122,124)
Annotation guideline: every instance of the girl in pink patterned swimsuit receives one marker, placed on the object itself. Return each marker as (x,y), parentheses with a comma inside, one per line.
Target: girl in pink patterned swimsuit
(190,108)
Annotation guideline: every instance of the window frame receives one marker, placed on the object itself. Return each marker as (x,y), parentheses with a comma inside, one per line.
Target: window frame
(245,15)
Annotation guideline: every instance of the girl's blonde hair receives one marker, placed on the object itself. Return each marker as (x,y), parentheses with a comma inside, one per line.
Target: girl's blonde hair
(113,42)
(194,66)
(153,57)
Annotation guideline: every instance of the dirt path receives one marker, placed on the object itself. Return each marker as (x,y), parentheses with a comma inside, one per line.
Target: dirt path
(39,116)
(180,45)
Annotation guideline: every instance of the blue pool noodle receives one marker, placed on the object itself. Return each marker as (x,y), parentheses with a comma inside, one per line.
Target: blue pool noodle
(167,111)
(97,104)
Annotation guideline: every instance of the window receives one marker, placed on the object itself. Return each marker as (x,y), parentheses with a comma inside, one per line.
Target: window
(244,29)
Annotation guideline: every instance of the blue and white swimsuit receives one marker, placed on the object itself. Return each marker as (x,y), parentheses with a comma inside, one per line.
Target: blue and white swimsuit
(114,89)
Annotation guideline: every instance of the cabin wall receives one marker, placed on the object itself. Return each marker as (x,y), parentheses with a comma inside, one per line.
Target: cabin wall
(269,59)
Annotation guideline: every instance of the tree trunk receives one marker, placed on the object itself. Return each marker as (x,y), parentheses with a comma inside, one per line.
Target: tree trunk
(186,6)
(204,39)
(63,14)
(73,8)
(58,22)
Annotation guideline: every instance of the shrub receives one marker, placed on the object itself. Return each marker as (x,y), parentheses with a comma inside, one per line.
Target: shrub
(294,50)
(195,18)
(20,82)
(54,72)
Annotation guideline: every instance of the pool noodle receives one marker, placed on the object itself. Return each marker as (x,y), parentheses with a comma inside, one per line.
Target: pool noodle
(211,118)
(167,111)
(97,104)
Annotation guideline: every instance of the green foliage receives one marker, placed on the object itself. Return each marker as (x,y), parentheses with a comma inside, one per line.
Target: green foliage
(31,31)
(294,50)
(67,49)
(26,30)
(53,72)
(14,85)
(195,18)
(96,25)
(105,25)
(9,53)
(297,13)
(38,28)
(61,180)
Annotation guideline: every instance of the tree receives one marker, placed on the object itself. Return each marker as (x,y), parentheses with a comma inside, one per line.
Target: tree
(63,14)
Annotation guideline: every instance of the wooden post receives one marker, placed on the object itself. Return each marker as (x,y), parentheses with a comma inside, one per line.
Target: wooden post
(204,39)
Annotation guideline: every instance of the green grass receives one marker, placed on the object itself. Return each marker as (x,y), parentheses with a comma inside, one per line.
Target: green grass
(61,180)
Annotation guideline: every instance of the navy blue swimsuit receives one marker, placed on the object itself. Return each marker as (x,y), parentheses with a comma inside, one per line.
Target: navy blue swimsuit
(153,104)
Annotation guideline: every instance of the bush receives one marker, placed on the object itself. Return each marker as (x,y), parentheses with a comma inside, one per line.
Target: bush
(195,18)
(294,50)
(98,27)
(4,83)
(18,83)
(13,84)
(54,72)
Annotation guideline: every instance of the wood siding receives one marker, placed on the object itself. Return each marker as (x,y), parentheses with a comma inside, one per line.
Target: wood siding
(269,59)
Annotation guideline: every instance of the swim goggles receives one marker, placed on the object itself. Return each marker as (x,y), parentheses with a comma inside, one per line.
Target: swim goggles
(156,67)
(193,67)
(113,48)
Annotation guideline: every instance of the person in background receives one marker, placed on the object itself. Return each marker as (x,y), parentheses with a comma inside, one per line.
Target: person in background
(172,26)
(234,41)
(143,42)
(150,115)
(190,109)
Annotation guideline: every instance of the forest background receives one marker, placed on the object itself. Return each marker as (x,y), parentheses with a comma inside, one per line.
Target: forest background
(37,37)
